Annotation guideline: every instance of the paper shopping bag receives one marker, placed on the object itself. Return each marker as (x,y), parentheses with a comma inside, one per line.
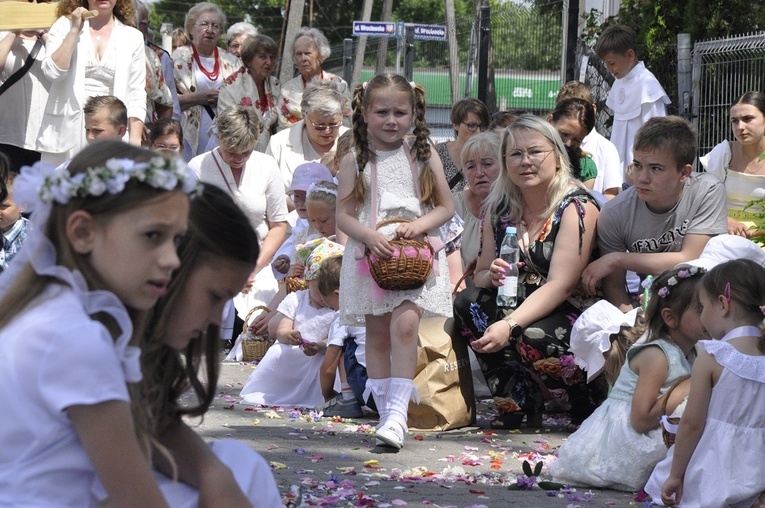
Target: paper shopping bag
(443,379)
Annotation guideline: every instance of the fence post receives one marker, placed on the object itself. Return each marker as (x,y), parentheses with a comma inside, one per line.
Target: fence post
(348,60)
(409,53)
(483,53)
(684,76)
(570,36)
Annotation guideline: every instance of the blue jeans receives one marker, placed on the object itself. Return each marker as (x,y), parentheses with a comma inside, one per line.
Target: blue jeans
(355,373)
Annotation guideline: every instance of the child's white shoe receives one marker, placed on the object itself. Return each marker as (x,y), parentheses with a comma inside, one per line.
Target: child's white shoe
(391,434)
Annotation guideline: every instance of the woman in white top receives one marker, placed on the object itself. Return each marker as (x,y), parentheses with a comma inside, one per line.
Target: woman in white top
(200,69)
(740,164)
(480,166)
(23,102)
(313,137)
(255,182)
(310,48)
(86,58)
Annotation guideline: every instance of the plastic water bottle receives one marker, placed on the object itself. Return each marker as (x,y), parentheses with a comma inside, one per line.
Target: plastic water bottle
(507,294)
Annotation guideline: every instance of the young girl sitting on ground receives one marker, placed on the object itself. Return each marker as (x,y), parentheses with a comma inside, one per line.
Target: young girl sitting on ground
(102,251)
(717,456)
(288,374)
(319,207)
(181,352)
(620,443)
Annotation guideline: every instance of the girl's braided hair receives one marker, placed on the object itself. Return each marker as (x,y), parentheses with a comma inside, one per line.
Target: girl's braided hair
(363,97)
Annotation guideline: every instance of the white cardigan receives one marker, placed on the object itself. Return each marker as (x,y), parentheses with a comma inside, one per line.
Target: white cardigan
(287,148)
(60,130)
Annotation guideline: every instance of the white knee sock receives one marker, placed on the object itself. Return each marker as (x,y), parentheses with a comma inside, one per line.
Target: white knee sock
(378,388)
(399,395)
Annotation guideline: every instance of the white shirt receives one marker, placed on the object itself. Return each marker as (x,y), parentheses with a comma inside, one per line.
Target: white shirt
(260,192)
(53,356)
(23,104)
(606,158)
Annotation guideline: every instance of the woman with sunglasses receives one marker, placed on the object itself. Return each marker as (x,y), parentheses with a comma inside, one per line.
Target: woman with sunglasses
(312,137)
(469,117)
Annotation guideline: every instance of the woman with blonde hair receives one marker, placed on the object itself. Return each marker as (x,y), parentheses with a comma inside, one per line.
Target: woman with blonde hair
(523,350)
(102,55)
(253,179)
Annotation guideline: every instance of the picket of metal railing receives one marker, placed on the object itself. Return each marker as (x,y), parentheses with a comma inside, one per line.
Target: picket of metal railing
(723,70)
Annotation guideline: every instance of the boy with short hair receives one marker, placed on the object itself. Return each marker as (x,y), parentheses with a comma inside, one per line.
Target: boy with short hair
(345,356)
(12,224)
(105,118)
(610,172)
(666,218)
(636,95)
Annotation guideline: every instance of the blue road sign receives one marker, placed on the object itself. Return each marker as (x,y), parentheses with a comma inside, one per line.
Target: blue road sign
(374,28)
(429,32)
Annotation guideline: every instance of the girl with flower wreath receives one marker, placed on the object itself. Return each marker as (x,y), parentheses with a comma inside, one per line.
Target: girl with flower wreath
(72,305)
(618,446)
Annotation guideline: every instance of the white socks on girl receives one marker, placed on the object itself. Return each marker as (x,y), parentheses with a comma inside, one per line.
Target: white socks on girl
(392,396)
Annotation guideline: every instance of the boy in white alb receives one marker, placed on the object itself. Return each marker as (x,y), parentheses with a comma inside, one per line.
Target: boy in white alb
(666,218)
(636,95)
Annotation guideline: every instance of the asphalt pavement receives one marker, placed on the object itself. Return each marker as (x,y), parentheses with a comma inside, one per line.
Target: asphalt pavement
(320,462)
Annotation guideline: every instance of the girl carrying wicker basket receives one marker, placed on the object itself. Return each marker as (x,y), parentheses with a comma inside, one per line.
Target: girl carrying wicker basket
(619,444)
(386,177)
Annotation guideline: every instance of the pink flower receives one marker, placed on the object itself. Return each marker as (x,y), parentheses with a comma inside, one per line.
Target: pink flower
(245,101)
(396,253)
(425,253)
(410,251)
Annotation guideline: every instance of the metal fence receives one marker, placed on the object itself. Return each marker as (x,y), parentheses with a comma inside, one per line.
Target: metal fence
(527,40)
(723,69)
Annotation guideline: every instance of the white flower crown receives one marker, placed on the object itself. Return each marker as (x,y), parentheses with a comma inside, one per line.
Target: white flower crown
(313,188)
(46,184)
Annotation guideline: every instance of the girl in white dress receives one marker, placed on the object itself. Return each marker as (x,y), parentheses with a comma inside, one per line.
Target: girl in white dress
(180,354)
(620,443)
(102,251)
(384,177)
(288,374)
(717,457)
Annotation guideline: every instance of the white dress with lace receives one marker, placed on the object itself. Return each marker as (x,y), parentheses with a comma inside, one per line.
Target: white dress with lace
(606,451)
(726,466)
(359,294)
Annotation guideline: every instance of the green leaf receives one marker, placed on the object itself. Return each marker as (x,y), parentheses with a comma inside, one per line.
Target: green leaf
(527,469)
(538,468)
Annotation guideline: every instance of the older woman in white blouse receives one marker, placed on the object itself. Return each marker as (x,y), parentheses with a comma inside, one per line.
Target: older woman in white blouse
(313,137)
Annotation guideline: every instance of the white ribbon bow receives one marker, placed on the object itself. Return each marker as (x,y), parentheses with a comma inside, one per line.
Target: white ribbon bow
(389,201)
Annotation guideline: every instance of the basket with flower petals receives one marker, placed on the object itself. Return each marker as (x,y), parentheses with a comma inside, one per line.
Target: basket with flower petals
(407,268)
(254,347)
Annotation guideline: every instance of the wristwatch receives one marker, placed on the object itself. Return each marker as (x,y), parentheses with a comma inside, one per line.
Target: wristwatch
(515,329)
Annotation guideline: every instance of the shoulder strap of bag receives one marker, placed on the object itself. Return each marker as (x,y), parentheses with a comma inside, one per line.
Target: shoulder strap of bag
(24,69)
(455,180)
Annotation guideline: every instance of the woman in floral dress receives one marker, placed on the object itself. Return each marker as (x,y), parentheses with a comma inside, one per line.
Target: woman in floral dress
(523,351)
(254,86)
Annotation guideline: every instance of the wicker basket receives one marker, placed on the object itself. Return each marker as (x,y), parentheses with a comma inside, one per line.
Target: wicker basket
(254,347)
(400,272)
(667,434)
(295,284)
